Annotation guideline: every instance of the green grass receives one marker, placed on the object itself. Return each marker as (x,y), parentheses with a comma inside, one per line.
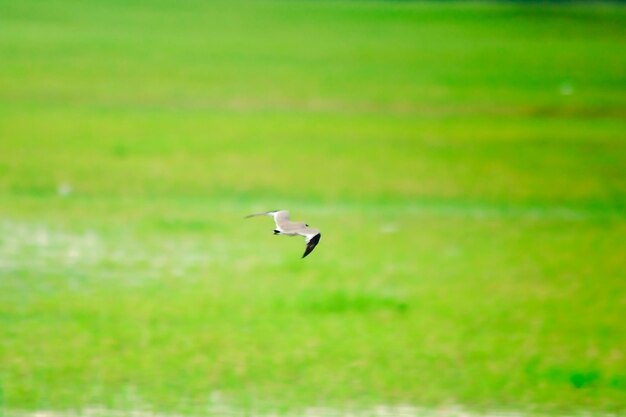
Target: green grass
(466,163)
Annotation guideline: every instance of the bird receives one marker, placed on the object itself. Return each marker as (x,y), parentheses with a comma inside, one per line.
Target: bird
(284,226)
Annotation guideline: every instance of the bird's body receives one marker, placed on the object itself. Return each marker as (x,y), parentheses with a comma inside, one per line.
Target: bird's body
(284,226)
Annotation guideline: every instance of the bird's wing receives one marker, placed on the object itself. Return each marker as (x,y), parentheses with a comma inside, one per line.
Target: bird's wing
(281,217)
(258,214)
(265,213)
(312,237)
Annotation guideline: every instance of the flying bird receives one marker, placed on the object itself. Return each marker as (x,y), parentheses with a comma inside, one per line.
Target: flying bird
(284,226)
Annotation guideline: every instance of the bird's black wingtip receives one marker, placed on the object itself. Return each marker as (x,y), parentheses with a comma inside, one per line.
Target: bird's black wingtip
(312,244)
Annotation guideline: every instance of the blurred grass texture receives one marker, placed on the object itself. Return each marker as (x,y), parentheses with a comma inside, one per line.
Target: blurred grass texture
(466,163)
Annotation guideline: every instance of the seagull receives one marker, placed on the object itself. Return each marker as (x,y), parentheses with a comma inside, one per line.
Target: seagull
(284,226)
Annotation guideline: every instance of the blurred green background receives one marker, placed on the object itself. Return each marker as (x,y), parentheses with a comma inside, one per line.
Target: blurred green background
(466,163)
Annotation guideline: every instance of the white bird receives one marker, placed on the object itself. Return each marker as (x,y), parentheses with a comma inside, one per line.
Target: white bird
(286,227)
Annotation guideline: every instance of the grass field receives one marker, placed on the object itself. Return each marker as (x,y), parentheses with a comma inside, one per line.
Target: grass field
(466,163)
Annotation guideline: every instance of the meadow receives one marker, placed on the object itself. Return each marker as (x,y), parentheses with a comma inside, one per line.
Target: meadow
(466,163)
